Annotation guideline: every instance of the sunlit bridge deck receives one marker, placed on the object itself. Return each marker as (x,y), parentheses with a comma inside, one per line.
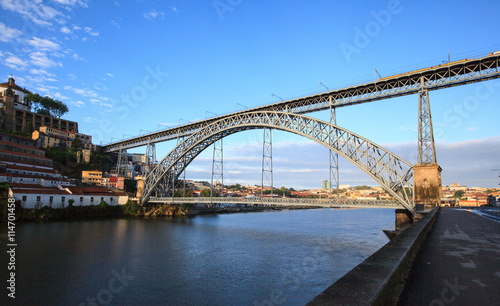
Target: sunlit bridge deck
(282,202)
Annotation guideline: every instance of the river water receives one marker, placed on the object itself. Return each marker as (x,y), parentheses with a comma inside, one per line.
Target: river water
(279,257)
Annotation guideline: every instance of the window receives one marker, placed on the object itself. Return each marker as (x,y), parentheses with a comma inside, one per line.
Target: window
(51,199)
(25,198)
(92,199)
(63,199)
(102,198)
(111,200)
(38,198)
(81,199)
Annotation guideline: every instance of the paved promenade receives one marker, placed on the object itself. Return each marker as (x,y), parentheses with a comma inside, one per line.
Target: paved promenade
(459,263)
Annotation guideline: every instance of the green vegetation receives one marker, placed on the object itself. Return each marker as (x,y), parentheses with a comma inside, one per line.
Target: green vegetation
(131,208)
(46,105)
(205,193)
(65,161)
(458,194)
(46,213)
(130,185)
(14,133)
(181,194)
(362,187)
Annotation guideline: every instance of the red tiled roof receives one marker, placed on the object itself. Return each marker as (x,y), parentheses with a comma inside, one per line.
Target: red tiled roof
(70,132)
(17,136)
(78,190)
(16,162)
(21,146)
(33,168)
(19,185)
(39,191)
(48,178)
(24,154)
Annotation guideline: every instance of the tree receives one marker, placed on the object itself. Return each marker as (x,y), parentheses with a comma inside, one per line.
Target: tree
(458,194)
(77,143)
(46,105)
(205,193)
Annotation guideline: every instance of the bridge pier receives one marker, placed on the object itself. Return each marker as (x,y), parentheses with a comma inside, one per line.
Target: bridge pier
(427,184)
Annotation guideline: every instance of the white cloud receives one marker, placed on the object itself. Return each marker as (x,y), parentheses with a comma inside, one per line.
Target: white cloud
(82,92)
(59,96)
(15,62)
(115,23)
(72,3)
(40,59)
(43,44)
(72,77)
(76,57)
(90,31)
(8,34)
(66,30)
(76,103)
(36,11)
(110,75)
(41,72)
(173,8)
(468,163)
(76,28)
(153,14)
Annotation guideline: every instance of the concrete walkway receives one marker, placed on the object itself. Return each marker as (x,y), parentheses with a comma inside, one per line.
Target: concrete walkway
(459,263)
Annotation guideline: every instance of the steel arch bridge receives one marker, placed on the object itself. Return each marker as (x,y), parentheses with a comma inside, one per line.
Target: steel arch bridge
(392,172)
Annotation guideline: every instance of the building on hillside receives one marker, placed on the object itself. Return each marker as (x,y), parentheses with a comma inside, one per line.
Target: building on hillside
(92,177)
(16,114)
(48,137)
(116,182)
(109,180)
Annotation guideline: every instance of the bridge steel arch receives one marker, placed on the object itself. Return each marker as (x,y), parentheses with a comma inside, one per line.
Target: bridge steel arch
(392,172)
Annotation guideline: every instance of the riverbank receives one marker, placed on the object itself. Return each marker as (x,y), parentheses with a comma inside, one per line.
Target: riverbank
(131,209)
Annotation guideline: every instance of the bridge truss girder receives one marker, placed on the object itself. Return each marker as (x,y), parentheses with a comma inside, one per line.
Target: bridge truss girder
(390,171)
(434,78)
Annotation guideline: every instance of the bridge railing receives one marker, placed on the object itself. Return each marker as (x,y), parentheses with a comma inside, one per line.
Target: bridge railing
(282,201)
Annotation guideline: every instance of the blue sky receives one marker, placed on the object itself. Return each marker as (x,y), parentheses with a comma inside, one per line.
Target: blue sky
(123,66)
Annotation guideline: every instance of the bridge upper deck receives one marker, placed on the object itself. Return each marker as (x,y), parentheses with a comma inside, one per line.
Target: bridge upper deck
(432,78)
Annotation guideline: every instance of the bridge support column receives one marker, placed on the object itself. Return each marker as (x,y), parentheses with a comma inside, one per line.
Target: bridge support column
(267,162)
(427,173)
(150,158)
(122,161)
(217,167)
(334,157)
(427,184)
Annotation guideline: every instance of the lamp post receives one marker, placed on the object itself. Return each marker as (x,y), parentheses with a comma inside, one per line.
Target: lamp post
(240,105)
(273,95)
(211,113)
(321,84)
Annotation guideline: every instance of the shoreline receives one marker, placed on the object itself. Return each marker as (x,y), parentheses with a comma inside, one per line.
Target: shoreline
(130,210)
